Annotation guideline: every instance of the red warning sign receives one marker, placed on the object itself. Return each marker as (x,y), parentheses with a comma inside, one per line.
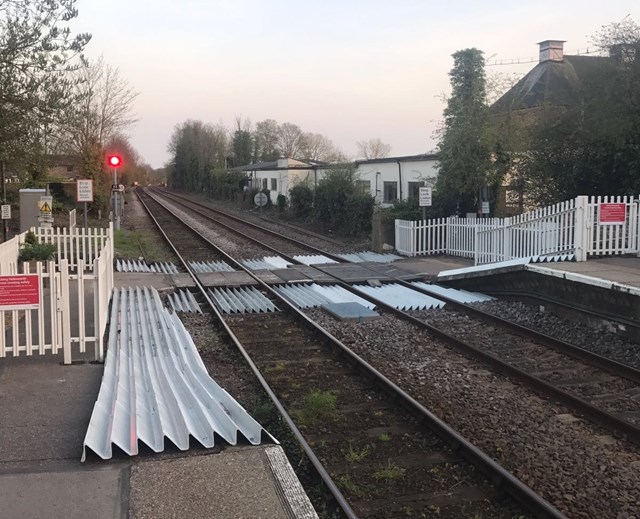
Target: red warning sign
(20,292)
(612,214)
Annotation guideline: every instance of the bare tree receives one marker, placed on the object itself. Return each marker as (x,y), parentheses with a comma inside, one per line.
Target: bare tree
(290,136)
(373,149)
(266,140)
(314,146)
(104,110)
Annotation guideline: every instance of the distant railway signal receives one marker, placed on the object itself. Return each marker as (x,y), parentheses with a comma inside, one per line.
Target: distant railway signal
(114,161)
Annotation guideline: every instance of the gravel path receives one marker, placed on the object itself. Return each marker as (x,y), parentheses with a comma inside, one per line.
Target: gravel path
(580,468)
(592,338)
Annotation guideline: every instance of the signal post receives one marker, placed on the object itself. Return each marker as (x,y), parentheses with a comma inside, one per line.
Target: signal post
(115,162)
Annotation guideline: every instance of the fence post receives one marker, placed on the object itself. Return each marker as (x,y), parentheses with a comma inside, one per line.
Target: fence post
(65,308)
(476,248)
(582,228)
(506,223)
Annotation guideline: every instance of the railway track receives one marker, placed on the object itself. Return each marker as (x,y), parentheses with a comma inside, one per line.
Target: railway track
(601,389)
(379,451)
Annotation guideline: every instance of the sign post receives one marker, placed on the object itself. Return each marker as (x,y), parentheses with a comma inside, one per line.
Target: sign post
(84,193)
(486,209)
(260,200)
(6,211)
(424,200)
(115,162)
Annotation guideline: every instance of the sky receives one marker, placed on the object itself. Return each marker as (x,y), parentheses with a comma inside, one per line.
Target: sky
(348,69)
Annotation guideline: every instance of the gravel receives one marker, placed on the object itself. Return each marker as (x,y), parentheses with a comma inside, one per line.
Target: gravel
(235,246)
(581,469)
(592,338)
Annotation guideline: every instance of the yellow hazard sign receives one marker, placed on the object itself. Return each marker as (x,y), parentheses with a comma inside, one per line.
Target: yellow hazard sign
(45,204)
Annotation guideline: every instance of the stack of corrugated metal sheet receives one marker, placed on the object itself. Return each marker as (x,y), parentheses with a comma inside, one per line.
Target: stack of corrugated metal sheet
(401,297)
(366,256)
(210,266)
(461,296)
(243,300)
(155,385)
(184,301)
(314,295)
(310,259)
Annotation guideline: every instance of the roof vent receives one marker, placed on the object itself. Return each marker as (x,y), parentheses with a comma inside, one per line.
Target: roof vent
(551,50)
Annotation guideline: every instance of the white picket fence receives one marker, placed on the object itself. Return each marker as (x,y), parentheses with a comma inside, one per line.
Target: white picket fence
(73,309)
(75,244)
(571,227)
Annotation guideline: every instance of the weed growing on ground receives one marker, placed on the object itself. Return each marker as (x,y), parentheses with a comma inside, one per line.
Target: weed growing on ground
(356,455)
(384,437)
(317,406)
(350,486)
(390,473)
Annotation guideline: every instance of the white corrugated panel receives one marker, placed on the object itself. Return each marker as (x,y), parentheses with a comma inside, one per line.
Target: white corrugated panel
(461,296)
(241,300)
(210,266)
(266,263)
(367,256)
(155,385)
(314,260)
(314,295)
(184,301)
(401,297)
(508,263)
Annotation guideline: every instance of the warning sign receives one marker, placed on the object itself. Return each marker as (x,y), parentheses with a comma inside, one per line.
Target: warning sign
(84,190)
(21,292)
(612,214)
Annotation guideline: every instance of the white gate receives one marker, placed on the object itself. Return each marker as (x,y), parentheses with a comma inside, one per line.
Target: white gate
(584,226)
(72,308)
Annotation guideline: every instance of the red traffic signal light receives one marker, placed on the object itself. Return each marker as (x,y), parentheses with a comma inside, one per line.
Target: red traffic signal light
(114,161)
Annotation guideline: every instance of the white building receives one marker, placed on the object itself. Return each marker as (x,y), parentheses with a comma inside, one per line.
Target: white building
(396,178)
(279,176)
(388,179)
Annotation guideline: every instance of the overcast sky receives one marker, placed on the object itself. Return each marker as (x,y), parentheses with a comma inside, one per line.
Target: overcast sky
(349,69)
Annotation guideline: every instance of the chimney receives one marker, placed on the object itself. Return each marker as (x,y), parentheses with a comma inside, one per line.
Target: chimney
(551,50)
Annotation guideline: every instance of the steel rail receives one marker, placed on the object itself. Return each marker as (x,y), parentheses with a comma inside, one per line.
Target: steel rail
(498,474)
(317,464)
(250,224)
(571,350)
(629,323)
(604,418)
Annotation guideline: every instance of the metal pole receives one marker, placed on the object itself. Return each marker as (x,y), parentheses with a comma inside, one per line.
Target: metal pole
(4,201)
(116,214)
(85,217)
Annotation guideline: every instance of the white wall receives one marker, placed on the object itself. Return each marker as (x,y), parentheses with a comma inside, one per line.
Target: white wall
(412,171)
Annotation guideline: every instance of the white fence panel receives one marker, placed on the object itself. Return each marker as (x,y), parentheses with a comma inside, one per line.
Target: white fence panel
(65,297)
(76,244)
(612,239)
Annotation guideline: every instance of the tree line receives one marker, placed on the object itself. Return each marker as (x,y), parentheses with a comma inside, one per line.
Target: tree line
(54,101)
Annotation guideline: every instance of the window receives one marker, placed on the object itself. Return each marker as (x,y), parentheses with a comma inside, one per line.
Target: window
(274,184)
(390,191)
(264,183)
(414,189)
(363,187)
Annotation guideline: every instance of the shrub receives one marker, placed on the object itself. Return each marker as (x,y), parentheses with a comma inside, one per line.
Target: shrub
(282,203)
(32,250)
(301,201)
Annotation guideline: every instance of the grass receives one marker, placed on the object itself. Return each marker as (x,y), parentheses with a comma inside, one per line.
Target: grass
(317,406)
(384,437)
(133,244)
(356,455)
(390,474)
(350,486)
